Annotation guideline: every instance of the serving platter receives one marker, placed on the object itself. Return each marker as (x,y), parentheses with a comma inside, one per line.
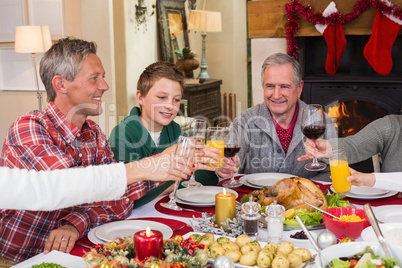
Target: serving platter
(238,265)
(63,259)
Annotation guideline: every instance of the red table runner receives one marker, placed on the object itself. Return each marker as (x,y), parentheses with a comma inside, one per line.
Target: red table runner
(79,251)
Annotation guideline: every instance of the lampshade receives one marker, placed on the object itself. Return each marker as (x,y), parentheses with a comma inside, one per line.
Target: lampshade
(175,23)
(32,39)
(205,21)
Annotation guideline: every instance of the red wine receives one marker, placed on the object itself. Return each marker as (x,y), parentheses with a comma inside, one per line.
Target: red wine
(313,132)
(231,150)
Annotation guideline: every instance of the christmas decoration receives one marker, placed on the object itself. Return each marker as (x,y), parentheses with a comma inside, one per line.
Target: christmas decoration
(292,27)
(335,39)
(378,49)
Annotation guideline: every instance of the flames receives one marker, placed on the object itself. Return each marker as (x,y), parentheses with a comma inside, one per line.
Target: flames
(341,114)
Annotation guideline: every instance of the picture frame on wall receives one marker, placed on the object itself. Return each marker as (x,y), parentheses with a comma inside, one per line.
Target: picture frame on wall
(12,14)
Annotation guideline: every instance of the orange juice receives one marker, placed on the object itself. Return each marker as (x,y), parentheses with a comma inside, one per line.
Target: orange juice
(339,173)
(218,144)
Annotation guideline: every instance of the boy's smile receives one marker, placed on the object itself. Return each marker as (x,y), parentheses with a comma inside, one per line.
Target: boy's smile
(160,105)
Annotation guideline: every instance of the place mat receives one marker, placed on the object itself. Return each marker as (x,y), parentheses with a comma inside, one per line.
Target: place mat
(80,251)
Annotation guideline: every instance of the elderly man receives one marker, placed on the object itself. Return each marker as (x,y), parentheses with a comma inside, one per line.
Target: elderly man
(271,137)
(59,137)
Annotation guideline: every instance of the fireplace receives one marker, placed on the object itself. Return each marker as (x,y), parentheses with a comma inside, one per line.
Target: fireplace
(356,95)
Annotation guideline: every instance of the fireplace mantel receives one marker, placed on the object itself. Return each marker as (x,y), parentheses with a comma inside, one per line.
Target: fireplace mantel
(267,18)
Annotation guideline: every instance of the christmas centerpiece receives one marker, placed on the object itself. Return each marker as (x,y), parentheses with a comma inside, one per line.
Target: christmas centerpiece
(178,253)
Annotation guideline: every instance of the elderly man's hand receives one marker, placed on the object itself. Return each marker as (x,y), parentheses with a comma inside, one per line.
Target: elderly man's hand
(319,148)
(230,166)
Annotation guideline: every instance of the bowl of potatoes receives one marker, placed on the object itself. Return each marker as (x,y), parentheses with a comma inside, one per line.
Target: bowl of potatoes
(246,252)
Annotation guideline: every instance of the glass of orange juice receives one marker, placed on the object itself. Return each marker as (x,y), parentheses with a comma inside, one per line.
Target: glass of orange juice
(215,139)
(339,166)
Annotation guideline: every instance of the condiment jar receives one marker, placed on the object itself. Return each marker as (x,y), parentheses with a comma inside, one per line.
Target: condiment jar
(250,217)
(275,222)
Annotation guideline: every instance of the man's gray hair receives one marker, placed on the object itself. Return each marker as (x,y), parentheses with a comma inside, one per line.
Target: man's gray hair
(63,58)
(279,59)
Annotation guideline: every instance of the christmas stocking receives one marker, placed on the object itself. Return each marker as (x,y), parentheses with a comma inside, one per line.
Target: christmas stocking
(378,49)
(335,39)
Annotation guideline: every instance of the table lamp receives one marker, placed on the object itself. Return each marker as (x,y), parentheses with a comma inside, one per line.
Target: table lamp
(33,39)
(204,21)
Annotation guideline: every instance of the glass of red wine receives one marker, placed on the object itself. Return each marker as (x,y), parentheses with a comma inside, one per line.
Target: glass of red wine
(313,127)
(231,148)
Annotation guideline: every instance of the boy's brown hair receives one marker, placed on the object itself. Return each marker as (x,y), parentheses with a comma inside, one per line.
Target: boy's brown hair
(156,71)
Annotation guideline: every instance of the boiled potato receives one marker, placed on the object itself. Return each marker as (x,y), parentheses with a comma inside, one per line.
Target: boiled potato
(264,258)
(222,240)
(217,251)
(272,246)
(195,237)
(206,239)
(230,245)
(243,239)
(280,261)
(213,244)
(251,246)
(295,260)
(249,258)
(285,248)
(304,253)
(233,254)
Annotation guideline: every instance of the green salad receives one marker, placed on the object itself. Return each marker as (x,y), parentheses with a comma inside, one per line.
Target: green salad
(315,217)
(365,259)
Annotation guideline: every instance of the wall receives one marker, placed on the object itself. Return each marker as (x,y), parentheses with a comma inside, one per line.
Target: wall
(261,48)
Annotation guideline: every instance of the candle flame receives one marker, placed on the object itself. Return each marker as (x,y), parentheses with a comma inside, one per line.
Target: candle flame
(148,231)
(224,191)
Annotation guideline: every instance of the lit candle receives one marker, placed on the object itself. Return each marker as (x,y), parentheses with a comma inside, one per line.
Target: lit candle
(225,207)
(148,243)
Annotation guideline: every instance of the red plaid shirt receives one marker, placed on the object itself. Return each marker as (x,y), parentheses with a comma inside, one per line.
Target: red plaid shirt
(48,140)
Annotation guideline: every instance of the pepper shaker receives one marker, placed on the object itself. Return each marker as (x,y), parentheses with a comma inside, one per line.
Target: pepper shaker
(275,222)
(250,217)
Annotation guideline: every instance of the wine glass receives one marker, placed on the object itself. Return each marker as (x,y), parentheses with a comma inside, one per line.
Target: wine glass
(185,147)
(197,131)
(313,127)
(231,148)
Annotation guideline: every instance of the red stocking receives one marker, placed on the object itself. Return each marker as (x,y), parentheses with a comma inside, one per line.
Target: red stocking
(335,39)
(378,49)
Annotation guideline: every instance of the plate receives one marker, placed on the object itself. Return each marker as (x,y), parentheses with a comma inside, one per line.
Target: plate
(92,237)
(193,204)
(63,259)
(348,249)
(265,179)
(203,195)
(368,197)
(110,231)
(367,191)
(238,265)
(392,233)
(388,214)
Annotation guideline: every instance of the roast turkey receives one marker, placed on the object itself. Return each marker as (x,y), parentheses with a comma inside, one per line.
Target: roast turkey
(292,193)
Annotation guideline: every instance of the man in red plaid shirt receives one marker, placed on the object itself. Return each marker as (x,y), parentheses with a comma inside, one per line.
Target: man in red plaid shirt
(60,137)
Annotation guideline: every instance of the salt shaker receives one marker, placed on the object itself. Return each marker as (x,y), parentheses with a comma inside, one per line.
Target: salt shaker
(250,217)
(275,222)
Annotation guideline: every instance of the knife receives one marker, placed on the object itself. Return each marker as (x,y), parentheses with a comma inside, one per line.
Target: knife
(373,221)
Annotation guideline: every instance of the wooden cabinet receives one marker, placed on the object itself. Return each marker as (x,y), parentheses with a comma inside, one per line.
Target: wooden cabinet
(204,99)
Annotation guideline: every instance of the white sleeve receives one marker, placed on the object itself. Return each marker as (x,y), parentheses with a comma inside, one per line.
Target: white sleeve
(388,181)
(50,190)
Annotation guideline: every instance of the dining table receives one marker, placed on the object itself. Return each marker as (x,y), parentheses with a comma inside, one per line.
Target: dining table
(180,221)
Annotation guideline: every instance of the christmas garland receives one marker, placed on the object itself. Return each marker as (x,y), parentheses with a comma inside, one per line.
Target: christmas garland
(292,26)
